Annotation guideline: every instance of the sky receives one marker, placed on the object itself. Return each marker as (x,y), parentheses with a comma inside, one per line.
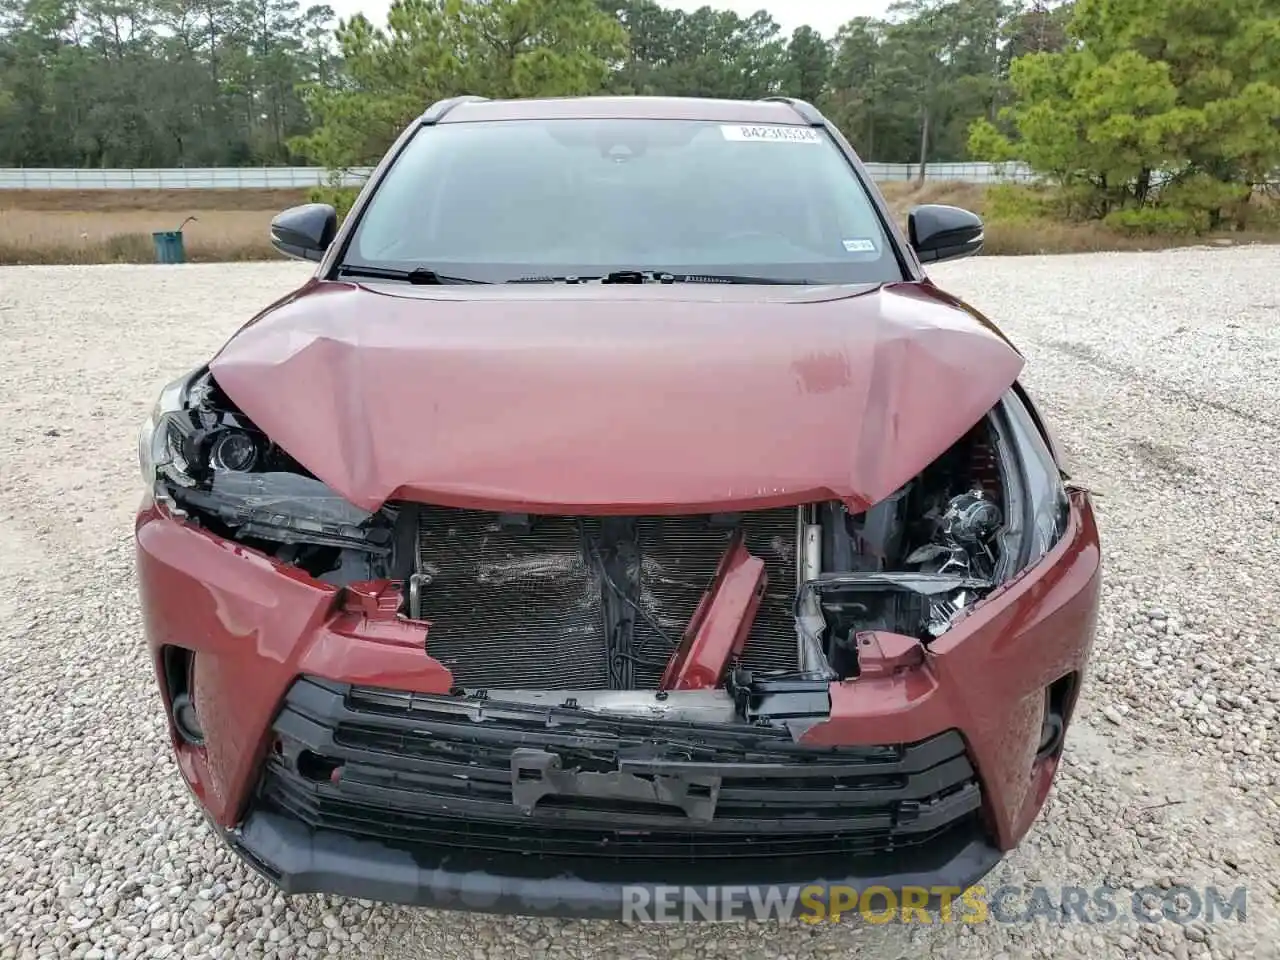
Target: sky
(825,16)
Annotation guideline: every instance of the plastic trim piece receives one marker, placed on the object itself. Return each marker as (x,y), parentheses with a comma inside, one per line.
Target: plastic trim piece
(436,112)
(808,112)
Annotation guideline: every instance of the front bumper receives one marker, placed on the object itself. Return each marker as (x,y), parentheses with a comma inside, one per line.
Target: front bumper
(256,627)
(301,860)
(430,800)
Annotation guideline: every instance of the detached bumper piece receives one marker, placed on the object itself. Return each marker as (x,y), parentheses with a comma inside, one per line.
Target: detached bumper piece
(472,804)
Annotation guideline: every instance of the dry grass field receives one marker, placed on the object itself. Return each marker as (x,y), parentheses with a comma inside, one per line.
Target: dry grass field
(1020,232)
(148,201)
(115,226)
(63,236)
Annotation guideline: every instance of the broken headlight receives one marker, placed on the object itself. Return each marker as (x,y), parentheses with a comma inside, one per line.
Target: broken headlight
(156,448)
(915,563)
(194,435)
(1036,505)
(201,457)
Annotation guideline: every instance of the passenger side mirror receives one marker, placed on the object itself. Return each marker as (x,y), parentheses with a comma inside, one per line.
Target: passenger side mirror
(939,232)
(304,232)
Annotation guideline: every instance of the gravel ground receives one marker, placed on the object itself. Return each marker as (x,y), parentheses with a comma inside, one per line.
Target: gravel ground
(1161,373)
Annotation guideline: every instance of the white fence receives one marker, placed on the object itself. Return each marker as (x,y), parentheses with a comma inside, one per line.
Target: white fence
(243,178)
(966,172)
(177,178)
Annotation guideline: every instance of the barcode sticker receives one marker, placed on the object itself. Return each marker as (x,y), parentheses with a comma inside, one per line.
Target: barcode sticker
(770,134)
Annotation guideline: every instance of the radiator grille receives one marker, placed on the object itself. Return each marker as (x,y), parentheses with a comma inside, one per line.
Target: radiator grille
(510,608)
(522,606)
(434,774)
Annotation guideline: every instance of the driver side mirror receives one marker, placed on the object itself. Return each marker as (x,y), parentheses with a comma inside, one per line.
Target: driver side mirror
(939,232)
(304,232)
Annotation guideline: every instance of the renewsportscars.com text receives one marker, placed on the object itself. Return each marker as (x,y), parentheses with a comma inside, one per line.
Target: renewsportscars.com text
(931,905)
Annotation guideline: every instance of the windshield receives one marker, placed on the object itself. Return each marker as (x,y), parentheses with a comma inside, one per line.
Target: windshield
(518,199)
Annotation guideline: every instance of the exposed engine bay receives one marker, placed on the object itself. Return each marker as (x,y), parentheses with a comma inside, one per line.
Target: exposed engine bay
(524,603)
(678,603)
(588,603)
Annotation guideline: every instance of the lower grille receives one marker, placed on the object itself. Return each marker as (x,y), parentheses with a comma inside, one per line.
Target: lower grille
(438,772)
(531,602)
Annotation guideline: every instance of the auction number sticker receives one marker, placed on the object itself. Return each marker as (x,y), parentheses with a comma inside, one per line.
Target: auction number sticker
(770,134)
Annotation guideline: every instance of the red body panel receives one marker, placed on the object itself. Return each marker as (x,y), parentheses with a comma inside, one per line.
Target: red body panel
(719,628)
(691,398)
(987,675)
(256,625)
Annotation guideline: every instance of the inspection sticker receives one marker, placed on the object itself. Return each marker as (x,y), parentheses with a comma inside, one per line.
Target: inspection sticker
(860,245)
(772,134)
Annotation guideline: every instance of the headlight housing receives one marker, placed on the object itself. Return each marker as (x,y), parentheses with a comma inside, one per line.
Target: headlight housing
(154,449)
(1036,498)
(202,458)
(189,436)
(164,454)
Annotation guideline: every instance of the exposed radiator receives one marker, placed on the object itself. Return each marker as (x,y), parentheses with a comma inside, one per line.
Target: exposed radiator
(532,603)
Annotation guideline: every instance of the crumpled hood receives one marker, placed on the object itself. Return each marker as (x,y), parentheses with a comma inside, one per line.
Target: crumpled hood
(590,399)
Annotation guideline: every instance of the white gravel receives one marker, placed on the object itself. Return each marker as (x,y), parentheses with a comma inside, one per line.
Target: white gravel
(1161,373)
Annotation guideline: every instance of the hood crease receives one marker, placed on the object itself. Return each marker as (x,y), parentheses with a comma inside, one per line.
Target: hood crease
(593,404)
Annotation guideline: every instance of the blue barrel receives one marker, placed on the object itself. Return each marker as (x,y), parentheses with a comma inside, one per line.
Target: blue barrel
(169,247)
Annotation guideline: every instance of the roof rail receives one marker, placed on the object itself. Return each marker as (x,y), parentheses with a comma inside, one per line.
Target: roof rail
(435,113)
(808,112)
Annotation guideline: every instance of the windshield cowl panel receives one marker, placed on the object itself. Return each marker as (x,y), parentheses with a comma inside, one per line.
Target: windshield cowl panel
(615,293)
(518,200)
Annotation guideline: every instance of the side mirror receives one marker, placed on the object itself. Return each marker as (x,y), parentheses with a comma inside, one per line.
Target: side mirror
(939,232)
(304,232)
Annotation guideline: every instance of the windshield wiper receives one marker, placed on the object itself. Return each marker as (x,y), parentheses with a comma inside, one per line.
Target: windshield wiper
(419,276)
(659,276)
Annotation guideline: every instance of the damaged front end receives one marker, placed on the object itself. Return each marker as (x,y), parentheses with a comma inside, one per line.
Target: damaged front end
(733,617)
(204,461)
(917,562)
(519,606)
(519,711)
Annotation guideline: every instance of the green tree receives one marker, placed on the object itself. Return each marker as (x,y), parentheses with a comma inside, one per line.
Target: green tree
(1040,28)
(154,82)
(651,31)
(438,48)
(716,53)
(857,88)
(808,64)
(946,59)
(218,82)
(1164,104)
(906,89)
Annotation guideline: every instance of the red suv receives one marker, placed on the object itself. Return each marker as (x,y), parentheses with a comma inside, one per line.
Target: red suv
(618,504)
